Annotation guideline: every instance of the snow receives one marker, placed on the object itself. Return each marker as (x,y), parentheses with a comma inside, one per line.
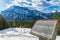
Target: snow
(18,34)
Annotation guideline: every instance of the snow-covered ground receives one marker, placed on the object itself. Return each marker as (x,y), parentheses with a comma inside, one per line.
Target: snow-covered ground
(18,34)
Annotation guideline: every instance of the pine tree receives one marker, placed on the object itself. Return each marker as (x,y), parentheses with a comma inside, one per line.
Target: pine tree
(55,15)
(3,23)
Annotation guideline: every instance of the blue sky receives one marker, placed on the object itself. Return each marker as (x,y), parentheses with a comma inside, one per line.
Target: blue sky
(40,5)
(4,3)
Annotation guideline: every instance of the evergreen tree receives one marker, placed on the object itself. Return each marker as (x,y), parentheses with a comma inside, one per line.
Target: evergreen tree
(55,15)
(3,23)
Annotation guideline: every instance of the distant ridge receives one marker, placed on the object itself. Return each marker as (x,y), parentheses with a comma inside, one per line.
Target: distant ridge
(23,13)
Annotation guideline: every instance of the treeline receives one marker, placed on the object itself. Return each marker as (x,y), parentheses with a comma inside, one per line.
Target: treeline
(15,23)
(21,23)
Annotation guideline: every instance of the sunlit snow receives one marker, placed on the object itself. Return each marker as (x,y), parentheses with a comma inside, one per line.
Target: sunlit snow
(18,34)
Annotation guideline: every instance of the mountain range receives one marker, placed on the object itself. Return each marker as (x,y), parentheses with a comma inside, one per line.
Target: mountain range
(24,13)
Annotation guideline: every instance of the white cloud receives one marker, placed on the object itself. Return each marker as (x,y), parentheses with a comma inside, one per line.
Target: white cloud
(53,2)
(19,0)
(36,4)
(36,1)
(13,3)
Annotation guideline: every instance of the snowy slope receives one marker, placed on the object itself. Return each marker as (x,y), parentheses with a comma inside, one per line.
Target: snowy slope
(18,34)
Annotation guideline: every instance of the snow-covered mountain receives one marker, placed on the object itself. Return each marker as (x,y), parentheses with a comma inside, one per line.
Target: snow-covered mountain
(22,13)
(29,9)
